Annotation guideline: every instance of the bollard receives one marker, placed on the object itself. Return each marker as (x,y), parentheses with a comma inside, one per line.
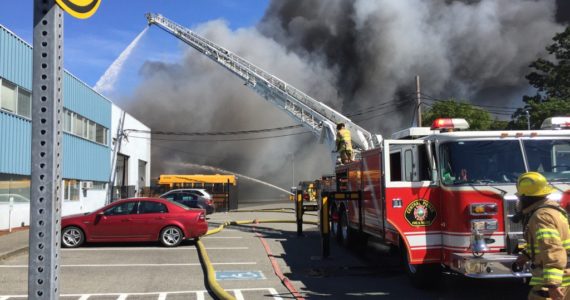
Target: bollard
(325,226)
(299,212)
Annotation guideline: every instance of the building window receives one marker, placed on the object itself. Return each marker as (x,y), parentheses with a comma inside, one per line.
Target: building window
(24,103)
(15,99)
(84,128)
(100,134)
(99,185)
(71,190)
(8,96)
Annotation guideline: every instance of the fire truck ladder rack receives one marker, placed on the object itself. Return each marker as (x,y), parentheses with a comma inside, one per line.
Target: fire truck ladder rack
(314,115)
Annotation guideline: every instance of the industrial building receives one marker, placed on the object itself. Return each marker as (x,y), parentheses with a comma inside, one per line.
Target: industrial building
(91,125)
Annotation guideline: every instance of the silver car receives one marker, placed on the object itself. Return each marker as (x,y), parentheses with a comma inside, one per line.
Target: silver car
(197,198)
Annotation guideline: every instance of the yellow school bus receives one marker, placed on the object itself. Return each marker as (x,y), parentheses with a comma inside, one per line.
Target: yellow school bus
(222,187)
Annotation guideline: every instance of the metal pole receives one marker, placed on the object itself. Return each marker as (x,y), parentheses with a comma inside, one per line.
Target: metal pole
(527,119)
(47,114)
(293,167)
(10,210)
(325,226)
(419,98)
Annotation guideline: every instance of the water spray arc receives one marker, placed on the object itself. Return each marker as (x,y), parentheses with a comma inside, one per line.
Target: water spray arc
(230,172)
(106,83)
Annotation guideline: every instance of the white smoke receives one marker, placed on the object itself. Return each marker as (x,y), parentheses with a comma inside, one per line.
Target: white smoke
(106,84)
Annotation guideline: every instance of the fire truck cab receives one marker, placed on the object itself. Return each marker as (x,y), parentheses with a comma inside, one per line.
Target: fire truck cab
(445,197)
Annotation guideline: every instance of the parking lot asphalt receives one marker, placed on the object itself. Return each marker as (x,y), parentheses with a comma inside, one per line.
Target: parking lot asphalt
(149,271)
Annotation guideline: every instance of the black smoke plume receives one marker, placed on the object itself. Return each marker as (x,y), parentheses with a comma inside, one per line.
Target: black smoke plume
(350,54)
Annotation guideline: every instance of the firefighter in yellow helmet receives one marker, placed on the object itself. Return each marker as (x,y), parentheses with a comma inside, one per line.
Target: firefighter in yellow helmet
(343,143)
(548,238)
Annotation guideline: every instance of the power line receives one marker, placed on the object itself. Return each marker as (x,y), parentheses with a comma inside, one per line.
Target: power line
(397,106)
(430,98)
(220,140)
(215,133)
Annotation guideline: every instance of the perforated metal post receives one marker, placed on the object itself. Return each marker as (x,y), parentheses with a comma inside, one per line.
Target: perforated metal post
(47,106)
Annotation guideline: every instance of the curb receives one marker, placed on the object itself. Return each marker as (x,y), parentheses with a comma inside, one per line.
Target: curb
(15,252)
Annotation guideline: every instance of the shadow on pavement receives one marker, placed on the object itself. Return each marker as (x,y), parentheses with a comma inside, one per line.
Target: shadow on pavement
(371,273)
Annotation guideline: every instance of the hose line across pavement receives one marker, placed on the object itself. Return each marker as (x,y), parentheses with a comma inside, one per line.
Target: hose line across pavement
(211,273)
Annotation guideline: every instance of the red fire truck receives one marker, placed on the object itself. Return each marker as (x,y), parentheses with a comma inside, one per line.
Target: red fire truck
(445,197)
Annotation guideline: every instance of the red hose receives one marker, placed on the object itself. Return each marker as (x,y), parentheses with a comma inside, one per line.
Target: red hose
(286,282)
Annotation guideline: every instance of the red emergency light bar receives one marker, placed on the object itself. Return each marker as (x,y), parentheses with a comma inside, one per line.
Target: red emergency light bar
(556,123)
(448,123)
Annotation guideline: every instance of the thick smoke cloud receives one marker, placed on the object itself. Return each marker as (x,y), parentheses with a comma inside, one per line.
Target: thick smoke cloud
(197,95)
(459,48)
(351,54)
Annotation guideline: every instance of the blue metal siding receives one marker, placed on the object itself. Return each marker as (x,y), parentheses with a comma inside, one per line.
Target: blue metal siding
(15,59)
(80,98)
(82,159)
(85,160)
(15,144)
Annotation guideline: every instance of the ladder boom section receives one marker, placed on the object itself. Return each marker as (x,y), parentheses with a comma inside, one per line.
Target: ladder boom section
(315,115)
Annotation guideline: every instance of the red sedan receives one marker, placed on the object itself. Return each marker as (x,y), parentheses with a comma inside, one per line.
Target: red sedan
(135,220)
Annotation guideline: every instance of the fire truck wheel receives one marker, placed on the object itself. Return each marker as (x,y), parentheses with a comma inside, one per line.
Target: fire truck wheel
(345,232)
(423,276)
(334,224)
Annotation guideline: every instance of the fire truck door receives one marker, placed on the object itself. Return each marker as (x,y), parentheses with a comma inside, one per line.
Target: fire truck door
(412,203)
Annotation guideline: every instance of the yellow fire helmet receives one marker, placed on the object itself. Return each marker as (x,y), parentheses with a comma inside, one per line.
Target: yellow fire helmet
(533,184)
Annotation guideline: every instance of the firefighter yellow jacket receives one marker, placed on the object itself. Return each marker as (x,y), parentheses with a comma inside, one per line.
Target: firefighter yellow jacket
(343,140)
(548,240)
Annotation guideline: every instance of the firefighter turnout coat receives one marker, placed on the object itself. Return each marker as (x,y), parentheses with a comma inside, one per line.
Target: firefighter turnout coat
(548,242)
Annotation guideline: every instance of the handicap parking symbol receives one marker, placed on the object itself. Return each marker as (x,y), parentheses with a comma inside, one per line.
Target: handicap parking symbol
(239,275)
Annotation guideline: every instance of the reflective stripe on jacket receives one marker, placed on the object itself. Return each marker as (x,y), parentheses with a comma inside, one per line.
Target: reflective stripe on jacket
(548,242)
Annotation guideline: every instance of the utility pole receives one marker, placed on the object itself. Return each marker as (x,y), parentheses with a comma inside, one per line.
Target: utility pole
(419,98)
(527,119)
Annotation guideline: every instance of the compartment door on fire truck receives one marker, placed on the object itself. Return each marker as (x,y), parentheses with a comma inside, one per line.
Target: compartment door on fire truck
(412,202)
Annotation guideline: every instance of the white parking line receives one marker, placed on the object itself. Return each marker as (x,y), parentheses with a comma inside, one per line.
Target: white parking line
(200,294)
(227,248)
(223,237)
(274,293)
(239,295)
(152,249)
(135,265)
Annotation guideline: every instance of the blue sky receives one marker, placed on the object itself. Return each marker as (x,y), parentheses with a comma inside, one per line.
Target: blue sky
(91,45)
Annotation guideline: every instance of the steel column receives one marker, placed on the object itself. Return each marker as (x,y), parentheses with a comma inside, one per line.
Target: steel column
(47,107)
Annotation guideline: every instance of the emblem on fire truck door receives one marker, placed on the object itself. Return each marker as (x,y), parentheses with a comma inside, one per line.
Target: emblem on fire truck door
(420,213)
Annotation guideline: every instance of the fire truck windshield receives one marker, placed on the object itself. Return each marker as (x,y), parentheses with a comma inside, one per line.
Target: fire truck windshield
(549,157)
(481,162)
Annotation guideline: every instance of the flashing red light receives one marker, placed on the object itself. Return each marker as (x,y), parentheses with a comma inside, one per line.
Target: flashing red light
(448,123)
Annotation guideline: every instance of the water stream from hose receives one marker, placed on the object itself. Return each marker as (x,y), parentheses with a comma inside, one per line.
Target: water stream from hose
(106,83)
(234,173)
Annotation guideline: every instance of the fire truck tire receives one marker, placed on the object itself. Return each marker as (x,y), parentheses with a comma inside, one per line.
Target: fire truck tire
(334,224)
(347,234)
(424,276)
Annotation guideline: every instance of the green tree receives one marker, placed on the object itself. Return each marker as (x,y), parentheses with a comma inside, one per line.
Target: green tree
(551,78)
(477,118)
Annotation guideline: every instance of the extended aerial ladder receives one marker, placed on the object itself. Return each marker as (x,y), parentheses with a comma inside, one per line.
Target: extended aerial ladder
(314,115)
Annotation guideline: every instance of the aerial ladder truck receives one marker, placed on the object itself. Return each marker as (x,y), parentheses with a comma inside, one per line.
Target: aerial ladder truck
(442,196)
(319,118)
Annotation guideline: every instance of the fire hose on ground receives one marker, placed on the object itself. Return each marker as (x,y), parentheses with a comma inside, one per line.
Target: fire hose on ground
(211,273)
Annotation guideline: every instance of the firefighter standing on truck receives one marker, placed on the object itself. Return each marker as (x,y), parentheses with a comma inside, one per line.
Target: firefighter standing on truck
(547,236)
(343,143)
